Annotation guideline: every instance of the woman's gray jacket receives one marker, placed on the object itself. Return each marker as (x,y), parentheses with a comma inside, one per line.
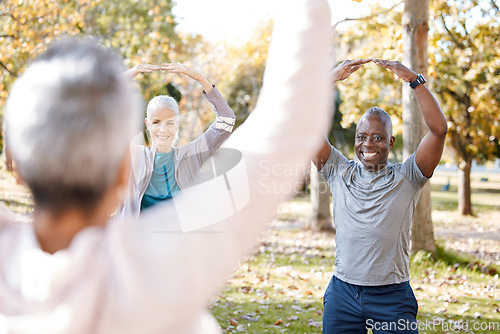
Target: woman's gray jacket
(187,159)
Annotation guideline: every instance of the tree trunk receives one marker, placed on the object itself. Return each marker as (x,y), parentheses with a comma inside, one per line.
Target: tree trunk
(320,199)
(464,189)
(415,30)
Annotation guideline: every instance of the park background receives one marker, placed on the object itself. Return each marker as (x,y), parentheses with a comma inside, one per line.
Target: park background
(279,288)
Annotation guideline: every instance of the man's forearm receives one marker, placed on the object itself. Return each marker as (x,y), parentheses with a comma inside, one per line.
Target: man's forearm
(431,111)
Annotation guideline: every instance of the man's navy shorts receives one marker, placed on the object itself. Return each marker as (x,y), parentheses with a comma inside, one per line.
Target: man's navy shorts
(354,309)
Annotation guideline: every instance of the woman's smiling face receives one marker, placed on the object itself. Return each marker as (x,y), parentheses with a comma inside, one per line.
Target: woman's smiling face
(162,124)
(373,142)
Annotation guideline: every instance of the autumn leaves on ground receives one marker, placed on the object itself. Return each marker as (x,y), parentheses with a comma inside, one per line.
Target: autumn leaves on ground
(279,288)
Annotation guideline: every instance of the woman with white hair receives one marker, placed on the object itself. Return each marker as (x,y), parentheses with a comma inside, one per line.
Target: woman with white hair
(69,121)
(161,170)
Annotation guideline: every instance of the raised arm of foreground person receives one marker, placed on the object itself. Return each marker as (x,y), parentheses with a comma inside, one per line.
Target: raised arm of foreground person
(431,147)
(70,271)
(170,275)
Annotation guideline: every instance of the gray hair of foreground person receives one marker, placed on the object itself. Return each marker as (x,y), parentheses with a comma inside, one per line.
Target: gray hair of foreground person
(69,121)
(162,102)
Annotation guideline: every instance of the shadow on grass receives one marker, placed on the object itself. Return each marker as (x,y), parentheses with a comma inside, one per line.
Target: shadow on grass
(456,260)
(489,191)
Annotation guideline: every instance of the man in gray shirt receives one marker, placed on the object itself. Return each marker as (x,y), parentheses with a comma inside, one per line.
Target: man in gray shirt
(373,206)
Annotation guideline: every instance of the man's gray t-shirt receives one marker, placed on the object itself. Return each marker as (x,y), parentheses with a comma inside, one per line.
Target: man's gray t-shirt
(372,212)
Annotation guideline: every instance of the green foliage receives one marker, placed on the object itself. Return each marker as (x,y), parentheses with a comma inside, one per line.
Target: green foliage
(244,80)
(141,31)
(377,37)
(456,260)
(174,92)
(465,71)
(340,137)
(27,27)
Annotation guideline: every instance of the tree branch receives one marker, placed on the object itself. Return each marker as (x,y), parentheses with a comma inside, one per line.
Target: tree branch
(459,98)
(10,72)
(13,17)
(452,36)
(367,17)
(467,95)
(462,141)
(494,6)
(458,141)
(466,36)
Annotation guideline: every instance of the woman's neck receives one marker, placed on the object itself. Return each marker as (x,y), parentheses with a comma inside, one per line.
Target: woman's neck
(55,231)
(163,149)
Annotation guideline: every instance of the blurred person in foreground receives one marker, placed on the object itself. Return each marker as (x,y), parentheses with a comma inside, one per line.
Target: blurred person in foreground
(69,121)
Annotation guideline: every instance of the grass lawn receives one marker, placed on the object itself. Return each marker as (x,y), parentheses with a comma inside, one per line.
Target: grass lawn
(485,194)
(279,288)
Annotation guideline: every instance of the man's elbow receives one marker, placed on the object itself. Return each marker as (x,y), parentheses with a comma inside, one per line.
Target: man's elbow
(441,131)
(444,130)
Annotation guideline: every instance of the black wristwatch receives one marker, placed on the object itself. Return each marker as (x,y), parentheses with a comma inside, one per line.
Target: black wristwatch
(420,79)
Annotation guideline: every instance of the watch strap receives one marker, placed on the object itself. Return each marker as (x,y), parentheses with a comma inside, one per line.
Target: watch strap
(420,79)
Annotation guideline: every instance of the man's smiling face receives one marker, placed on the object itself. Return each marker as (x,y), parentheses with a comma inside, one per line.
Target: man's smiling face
(373,142)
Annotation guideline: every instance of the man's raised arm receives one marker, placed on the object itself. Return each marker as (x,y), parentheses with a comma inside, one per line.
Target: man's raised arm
(339,73)
(431,147)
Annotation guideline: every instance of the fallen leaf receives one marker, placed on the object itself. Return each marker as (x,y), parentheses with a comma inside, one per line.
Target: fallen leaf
(241,328)
(313,323)
(464,308)
(250,317)
(245,289)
